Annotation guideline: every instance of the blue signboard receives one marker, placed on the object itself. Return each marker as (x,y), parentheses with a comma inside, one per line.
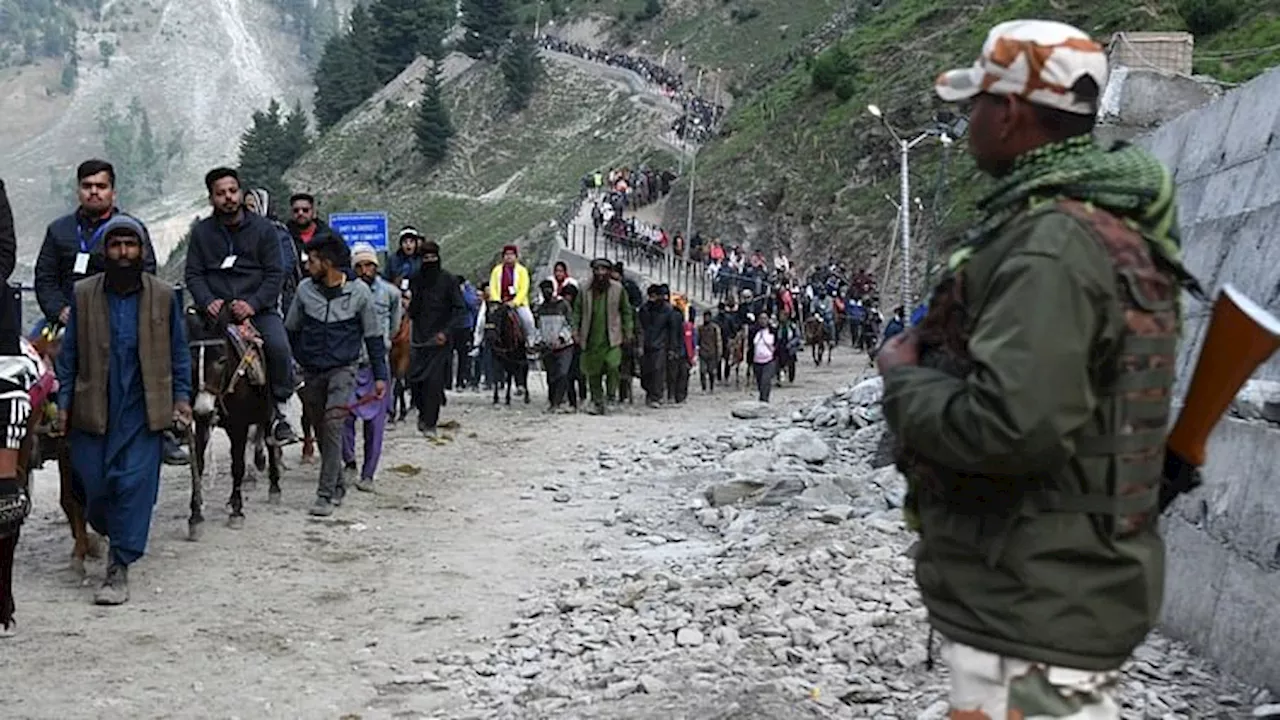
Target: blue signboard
(368,227)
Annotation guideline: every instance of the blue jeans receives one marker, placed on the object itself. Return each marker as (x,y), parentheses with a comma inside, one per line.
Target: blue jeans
(279,356)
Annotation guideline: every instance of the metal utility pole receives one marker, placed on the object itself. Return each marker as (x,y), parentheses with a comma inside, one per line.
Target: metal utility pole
(904,209)
(693,176)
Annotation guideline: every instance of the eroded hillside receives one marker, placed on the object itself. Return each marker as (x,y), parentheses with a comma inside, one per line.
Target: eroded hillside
(506,176)
(199,69)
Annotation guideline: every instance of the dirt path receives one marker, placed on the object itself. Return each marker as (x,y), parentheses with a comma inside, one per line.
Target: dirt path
(295,617)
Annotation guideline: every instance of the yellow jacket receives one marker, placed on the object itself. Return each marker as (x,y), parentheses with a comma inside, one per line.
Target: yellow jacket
(521,295)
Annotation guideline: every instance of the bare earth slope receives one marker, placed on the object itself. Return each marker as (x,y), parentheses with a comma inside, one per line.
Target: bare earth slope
(200,68)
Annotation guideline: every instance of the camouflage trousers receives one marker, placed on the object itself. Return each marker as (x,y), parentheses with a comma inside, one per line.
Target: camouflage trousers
(985,686)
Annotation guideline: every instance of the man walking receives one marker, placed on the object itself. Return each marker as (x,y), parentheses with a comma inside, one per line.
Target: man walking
(370,409)
(603,322)
(708,352)
(554,324)
(659,329)
(331,320)
(436,309)
(1032,411)
(233,260)
(72,250)
(462,335)
(764,351)
(124,377)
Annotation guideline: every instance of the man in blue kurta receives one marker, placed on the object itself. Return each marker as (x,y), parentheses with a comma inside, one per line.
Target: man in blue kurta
(124,377)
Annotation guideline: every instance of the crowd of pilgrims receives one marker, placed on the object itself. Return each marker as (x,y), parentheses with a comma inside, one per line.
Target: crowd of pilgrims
(109,368)
(696,125)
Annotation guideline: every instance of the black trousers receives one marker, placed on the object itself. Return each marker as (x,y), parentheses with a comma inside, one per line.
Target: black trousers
(653,375)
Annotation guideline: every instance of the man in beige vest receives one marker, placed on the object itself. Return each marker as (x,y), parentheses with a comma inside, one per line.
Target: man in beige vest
(602,321)
(124,377)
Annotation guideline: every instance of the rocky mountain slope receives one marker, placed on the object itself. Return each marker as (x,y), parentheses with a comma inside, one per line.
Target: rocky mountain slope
(199,69)
(507,176)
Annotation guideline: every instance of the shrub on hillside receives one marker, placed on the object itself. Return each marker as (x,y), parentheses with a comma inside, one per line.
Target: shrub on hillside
(1206,17)
(834,70)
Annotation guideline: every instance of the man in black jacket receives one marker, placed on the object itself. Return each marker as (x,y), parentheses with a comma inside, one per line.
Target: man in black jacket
(658,328)
(436,310)
(233,259)
(72,250)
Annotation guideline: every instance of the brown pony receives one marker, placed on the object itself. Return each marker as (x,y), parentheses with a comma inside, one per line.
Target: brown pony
(44,441)
(736,357)
(815,336)
(400,367)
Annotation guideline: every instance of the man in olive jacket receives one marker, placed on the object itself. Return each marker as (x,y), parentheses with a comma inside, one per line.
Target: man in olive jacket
(1030,405)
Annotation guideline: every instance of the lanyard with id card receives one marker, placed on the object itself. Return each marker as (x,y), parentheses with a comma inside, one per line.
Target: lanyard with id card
(81,266)
(229,261)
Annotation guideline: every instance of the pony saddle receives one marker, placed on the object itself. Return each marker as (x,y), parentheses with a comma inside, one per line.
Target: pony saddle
(242,340)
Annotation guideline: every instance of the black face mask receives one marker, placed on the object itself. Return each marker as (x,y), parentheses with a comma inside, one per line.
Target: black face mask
(123,277)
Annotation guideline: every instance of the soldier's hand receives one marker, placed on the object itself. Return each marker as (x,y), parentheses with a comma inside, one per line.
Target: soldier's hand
(902,349)
(214,308)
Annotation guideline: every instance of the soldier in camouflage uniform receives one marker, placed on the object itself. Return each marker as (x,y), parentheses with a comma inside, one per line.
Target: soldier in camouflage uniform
(1030,405)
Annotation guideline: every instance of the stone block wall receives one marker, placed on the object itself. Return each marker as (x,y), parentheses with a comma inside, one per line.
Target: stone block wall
(1223,588)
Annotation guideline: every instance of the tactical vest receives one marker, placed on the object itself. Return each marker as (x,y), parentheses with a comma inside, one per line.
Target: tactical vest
(1134,380)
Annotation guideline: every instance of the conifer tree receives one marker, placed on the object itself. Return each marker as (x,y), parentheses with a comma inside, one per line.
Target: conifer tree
(403,28)
(270,146)
(521,68)
(433,126)
(488,25)
(346,74)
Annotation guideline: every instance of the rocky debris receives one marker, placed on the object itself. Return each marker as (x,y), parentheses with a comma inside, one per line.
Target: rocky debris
(767,575)
(1258,400)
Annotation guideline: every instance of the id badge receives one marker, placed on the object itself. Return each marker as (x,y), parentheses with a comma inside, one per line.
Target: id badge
(82,264)
(228,262)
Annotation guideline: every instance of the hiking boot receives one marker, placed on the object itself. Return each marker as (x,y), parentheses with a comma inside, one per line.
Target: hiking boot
(115,588)
(173,452)
(321,508)
(365,485)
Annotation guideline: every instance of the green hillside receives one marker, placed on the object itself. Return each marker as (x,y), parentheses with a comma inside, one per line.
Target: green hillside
(807,169)
(507,175)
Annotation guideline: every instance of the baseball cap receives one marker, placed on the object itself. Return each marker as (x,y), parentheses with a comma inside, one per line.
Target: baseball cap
(1039,60)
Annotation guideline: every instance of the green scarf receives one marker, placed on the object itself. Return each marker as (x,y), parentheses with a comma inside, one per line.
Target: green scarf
(1125,180)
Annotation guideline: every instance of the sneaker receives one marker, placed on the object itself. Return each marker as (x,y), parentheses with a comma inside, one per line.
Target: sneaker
(115,588)
(321,508)
(173,452)
(365,485)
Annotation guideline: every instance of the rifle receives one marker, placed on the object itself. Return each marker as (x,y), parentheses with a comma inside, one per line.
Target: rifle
(1241,336)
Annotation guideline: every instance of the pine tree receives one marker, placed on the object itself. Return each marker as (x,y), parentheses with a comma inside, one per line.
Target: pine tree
(488,25)
(346,75)
(403,28)
(433,127)
(296,140)
(521,68)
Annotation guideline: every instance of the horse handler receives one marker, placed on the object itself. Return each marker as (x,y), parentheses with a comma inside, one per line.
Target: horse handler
(331,320)
(367,406)
(124,377)
(602,322)
(437,311)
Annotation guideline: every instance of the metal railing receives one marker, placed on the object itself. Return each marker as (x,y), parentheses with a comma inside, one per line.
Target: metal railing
(682,275)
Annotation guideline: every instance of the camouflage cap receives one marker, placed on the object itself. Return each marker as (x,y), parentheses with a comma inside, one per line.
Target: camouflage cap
(1039,60)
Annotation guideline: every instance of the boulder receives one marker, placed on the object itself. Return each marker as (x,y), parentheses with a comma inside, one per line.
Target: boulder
(801,443)
(751,410)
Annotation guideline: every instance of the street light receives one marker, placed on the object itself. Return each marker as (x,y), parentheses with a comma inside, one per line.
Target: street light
(904,205)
